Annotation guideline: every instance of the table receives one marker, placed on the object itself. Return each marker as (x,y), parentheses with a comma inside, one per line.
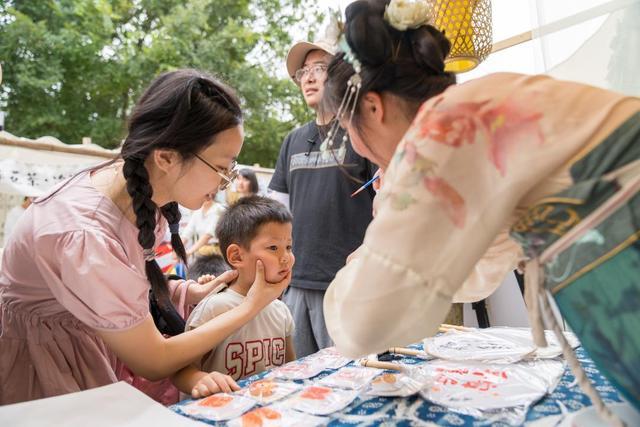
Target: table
(411,411)
(118,404)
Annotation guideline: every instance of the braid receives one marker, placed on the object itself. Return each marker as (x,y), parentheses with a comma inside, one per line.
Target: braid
(138,186)
(140,190)
(172,213)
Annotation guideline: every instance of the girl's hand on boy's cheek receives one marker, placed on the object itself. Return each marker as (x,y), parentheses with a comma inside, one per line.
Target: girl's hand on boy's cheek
(215,382)
(262,292)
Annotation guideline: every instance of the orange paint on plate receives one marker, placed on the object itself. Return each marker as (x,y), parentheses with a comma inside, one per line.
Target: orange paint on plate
(216,401)
(316,393)
(255,418)
(262,388)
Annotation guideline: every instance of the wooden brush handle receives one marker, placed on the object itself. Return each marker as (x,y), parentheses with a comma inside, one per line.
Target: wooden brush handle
(405,351)
(381,365)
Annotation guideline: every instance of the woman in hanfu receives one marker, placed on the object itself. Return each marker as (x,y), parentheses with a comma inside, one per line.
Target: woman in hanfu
(480,177)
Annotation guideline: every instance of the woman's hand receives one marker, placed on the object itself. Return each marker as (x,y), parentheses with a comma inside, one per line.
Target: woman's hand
(215,382)
(262,292)
(197,291)
(378,182)
(353,255)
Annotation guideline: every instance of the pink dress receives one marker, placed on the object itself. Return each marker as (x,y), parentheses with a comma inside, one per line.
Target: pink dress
(72,266)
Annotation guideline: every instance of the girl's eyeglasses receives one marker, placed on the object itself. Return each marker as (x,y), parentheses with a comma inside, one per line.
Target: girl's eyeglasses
(228,176)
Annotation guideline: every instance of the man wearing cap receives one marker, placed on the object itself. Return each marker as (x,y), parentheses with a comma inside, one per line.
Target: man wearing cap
(315,181)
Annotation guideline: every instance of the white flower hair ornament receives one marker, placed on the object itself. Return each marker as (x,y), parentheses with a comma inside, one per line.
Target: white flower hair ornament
(335,28)
(408,14)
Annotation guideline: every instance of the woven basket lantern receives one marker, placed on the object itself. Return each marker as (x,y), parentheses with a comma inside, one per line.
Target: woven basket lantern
(467,24)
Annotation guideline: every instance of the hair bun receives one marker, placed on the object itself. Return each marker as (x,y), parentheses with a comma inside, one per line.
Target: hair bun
(367,33)
(430,47)
(372,39)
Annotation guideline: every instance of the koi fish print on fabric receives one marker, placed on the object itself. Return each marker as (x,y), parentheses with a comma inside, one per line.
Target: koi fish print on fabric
(502,128)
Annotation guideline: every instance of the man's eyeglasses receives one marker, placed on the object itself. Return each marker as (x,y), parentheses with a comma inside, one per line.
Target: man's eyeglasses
(316,69)
(228,176)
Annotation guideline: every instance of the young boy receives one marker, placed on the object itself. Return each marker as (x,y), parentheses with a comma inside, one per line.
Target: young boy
(254,228)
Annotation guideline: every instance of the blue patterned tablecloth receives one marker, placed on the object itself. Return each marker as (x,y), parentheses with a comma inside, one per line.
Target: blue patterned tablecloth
(411,411)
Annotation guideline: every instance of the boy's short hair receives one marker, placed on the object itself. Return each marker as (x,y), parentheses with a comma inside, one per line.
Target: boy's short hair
(207,264)
(239,224)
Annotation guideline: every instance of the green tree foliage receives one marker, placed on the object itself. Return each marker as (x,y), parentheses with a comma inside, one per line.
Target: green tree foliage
(74,68)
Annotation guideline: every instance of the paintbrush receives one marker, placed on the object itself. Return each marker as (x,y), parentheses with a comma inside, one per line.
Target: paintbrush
(445,328)
(365,185)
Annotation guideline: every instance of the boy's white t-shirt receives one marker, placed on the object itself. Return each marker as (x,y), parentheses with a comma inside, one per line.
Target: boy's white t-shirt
(256,347)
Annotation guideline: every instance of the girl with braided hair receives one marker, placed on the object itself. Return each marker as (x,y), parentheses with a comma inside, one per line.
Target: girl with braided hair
(78,276)
(479,177)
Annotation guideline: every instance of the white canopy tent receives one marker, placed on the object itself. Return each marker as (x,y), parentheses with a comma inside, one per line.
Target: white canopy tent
(30,167)
(591,41)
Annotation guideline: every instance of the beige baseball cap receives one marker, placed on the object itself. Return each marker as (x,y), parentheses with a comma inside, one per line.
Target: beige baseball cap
(300,50)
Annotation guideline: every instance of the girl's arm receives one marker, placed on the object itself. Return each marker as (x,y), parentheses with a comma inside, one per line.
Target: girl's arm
(186,293)
(147,353)
(186,378)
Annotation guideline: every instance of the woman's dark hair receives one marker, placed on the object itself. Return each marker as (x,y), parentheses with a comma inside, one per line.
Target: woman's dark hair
(409,64)
(182,111)
(240,223)
(253,179)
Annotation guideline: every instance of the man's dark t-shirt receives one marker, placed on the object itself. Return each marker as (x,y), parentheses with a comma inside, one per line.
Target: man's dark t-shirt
(327,223)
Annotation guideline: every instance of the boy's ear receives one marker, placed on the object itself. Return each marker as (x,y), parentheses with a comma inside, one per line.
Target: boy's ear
(235,255)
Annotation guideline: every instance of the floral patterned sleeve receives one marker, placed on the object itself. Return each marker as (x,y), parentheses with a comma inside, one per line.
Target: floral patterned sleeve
(449,195)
